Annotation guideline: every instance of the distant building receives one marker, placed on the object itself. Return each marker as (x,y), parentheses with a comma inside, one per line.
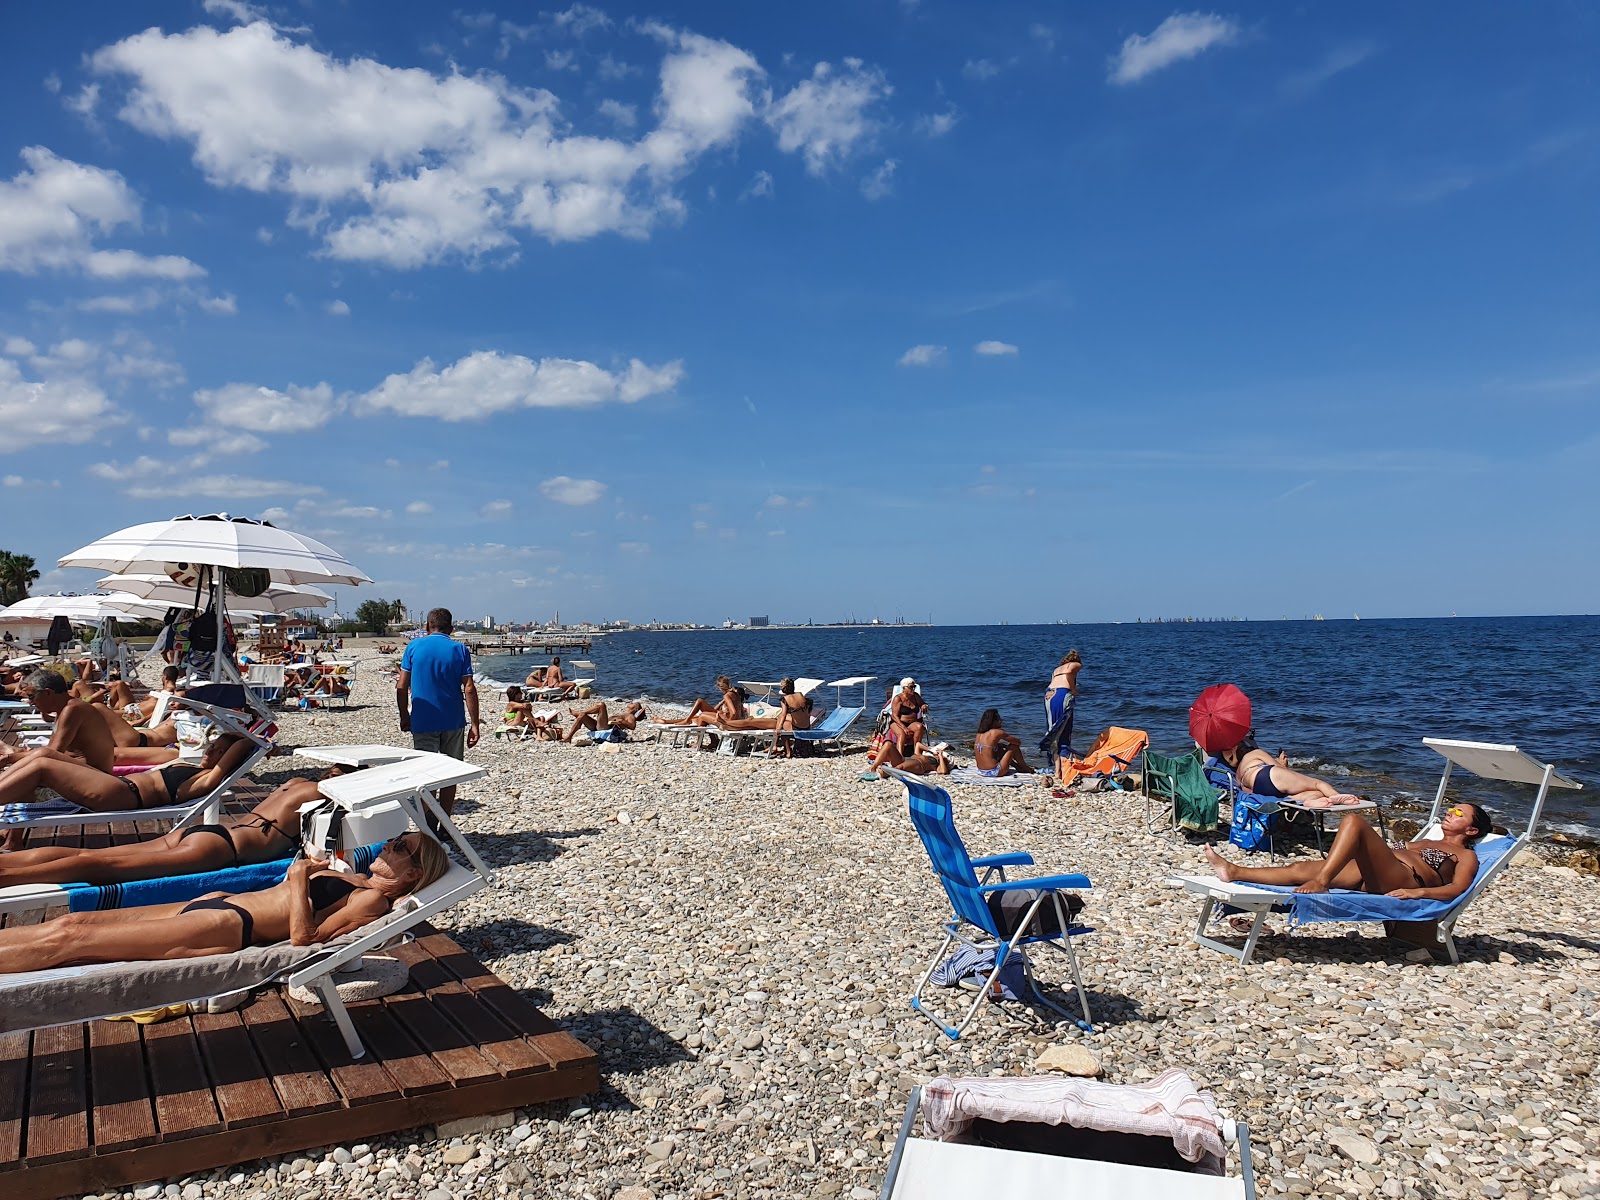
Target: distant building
(758,622)
(488,622)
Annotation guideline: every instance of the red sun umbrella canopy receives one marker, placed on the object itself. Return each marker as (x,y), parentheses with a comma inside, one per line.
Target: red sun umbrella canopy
(1219,718)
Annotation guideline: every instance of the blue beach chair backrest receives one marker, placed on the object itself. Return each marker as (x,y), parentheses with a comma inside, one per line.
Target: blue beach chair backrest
(835,722)
(935,824)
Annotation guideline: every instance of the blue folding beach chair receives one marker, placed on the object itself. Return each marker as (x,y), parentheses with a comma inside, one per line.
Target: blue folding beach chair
(981,919)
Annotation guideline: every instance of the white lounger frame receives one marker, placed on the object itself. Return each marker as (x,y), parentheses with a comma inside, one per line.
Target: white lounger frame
(1487,760)
(411,784)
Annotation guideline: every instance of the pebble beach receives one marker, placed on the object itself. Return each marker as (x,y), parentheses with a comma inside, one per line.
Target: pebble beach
(737,937)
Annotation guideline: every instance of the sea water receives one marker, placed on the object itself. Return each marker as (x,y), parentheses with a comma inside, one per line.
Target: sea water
(1349,701)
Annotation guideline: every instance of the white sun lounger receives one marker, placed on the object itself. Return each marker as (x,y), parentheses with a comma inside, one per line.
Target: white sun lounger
(1427,923)
(207,808)
(388,794)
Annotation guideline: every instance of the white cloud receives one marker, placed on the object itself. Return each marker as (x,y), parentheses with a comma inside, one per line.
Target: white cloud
(826,117)
(580,19)
(149,478)
(419,508)
(878,183)
(936,125)
(234,10)
(634,547)
(981,69)
(623,116)
(338,308)
(125,305)
(220,306)
(1180,36)
(776,501)
(760,186)
(406,167)
(49,409)
(53,211)
(924,356)
(995,349)
(575,492)
(1043,35)
(13,481)
(18,347)
(777,532)
(496,508)
(266,410)
(216,440)
(489,382)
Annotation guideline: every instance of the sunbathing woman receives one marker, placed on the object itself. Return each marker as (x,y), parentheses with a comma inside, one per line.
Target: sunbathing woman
(1258,772)
(998,753)
(313,904)
(794,712)
(926,760)
(269,832)
(178,783)
(1360,860)
(596,718)
(729,708)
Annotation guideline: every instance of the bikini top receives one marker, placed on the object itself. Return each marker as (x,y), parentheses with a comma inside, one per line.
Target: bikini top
(327,890)
(175,776)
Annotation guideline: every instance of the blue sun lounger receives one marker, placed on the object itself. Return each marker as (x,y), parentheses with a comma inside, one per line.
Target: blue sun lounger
(1429,924)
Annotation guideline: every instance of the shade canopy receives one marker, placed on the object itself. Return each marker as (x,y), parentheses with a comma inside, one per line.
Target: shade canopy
(81,610)
(164,590)
(1219,719)
(217,540)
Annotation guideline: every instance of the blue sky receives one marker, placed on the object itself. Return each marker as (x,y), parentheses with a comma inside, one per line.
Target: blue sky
(1002,312)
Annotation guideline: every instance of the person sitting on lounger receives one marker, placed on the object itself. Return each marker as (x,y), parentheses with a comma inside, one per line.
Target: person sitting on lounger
(330,684)
(924,760)
(595,718)
(729,708)
(1360,860)
(119,696)
(1258,772)
(908,716)
(519,712)
(79,733)
(269,832)
(311,905)
(101,791)
(535,678)
(997,752)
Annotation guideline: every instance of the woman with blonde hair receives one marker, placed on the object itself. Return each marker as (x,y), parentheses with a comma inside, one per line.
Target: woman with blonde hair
(1060,697)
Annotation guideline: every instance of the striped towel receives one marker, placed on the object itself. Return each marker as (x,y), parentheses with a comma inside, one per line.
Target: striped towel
(178,889)
(55,806)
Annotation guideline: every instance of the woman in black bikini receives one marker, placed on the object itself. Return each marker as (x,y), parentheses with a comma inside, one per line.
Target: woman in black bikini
(313,904)
(270,831)
(178,783)
(1360,860)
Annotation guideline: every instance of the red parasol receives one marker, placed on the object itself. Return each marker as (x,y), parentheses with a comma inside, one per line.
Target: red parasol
(1219,718)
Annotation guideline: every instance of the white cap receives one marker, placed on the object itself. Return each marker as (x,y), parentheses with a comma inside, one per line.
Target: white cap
(908,682)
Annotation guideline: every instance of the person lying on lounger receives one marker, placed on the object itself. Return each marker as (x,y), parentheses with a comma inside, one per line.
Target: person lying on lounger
(1258,772)
(794,712)
(729,708)
(311,905)
(101,791)
(269,832)
(595,718)
(1360,860)
(924,760)
(997,752)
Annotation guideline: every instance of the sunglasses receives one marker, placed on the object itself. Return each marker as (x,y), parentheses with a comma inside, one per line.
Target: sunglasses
(399,846)
(1456,812)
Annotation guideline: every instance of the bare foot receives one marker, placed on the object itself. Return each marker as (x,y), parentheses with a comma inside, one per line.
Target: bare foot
(1221,867)
(1312,888)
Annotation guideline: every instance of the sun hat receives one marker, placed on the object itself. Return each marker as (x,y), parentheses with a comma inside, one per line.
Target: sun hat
(908,682)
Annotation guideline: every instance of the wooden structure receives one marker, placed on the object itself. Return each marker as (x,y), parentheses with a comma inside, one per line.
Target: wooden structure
(100,1105)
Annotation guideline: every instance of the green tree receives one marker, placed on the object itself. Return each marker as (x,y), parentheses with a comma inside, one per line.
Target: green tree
(17,574)
(374,616)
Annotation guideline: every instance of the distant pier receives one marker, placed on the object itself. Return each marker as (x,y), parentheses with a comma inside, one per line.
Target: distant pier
(541,643)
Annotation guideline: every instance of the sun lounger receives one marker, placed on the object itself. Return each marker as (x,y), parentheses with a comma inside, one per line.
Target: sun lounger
(1113,752)
(1044,1138)
(1426,923)
(265,681)
(391,798)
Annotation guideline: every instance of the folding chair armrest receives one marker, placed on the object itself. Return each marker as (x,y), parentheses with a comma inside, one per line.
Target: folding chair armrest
(1046,882)
(1017,858)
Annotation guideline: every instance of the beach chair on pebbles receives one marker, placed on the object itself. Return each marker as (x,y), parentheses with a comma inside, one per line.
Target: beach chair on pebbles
(991,915)
(1191,798)
(1044,1138)
(63,813)
(831,729)
(1429,924)
(380,802)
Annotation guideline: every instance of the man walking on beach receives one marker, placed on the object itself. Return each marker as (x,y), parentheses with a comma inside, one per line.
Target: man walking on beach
(437,698)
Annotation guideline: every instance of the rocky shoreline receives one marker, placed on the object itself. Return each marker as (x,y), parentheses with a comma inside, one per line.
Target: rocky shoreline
(737,938)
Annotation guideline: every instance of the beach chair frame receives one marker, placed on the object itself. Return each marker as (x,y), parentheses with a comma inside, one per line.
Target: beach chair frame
(973,925)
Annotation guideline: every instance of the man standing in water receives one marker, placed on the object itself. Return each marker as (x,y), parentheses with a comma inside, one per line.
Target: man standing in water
(437,697)
(1060,698)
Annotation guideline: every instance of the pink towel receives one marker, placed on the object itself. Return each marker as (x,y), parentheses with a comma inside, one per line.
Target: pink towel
(1169,1106)
(131,768)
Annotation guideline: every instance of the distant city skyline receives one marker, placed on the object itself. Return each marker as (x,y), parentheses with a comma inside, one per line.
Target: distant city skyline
(1013,312)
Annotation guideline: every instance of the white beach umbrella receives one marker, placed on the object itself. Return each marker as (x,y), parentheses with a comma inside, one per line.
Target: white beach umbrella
(164,590)
(81,610)
(217,540)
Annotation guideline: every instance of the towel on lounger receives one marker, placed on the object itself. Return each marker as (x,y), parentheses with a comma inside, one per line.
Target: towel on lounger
(178,889)
(973,775)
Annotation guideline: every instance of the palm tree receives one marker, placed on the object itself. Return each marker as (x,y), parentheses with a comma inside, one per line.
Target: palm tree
(17,574)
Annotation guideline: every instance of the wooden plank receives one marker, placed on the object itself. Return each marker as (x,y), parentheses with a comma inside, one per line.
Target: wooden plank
(123,1116)
(301,1084)
(58,1120)
(443,1040)
(96,835)
(359,1081)
(184,1104)
(385,1036)
(503,1046)
(13,1094)
(244,1094)
(565,1052)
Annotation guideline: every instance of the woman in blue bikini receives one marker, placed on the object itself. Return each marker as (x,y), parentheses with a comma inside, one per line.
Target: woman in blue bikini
(1258,772)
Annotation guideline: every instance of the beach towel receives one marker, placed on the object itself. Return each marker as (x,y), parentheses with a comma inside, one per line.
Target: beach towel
(973,775)
(1112,753)
(1169,1106)
(178,889)
(1339,905)
(1059,704)
(55,806)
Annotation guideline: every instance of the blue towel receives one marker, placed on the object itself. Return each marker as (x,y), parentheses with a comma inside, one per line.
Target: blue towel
(1307,909)
(177,889)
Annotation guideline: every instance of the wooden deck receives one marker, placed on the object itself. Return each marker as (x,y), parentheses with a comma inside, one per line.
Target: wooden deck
(104,1104)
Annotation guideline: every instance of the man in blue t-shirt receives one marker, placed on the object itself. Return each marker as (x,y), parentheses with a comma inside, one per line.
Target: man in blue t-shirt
(437,698)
